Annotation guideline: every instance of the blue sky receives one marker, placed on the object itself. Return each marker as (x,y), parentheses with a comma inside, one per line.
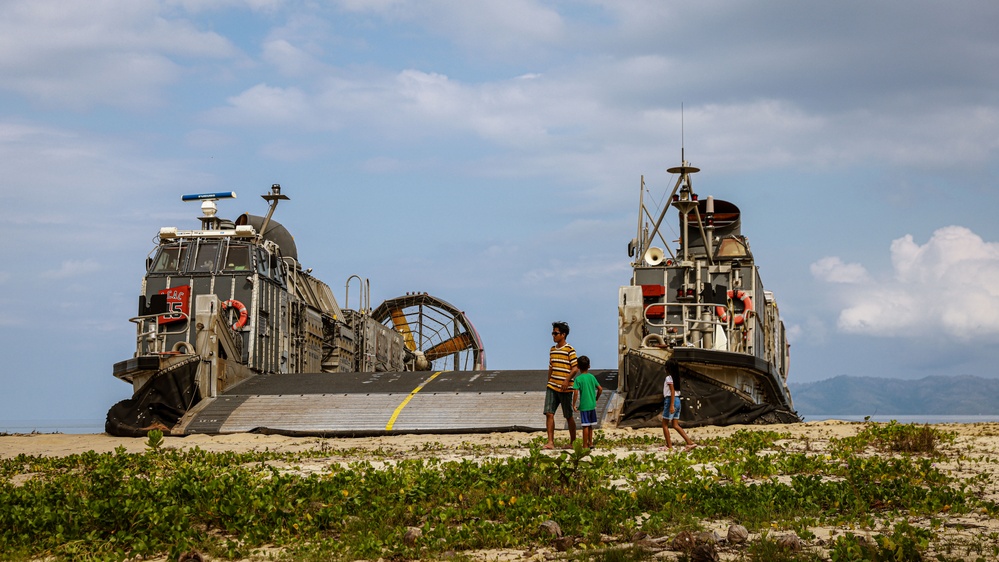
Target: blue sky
(490,153)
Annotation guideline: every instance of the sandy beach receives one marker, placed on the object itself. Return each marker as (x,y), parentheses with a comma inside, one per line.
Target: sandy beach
(57,444)
(983,438)
(974,450)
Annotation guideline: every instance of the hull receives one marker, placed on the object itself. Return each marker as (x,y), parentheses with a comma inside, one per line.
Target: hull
(706,399)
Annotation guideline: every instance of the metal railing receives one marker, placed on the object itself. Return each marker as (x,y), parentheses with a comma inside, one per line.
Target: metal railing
(682,331)
(154,337)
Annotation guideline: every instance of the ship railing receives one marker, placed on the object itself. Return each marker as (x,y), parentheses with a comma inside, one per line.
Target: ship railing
(234,334)
(149,332)
(689,326)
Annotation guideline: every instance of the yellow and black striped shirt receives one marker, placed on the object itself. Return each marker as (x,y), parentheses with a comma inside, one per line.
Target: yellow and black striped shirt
(561,361)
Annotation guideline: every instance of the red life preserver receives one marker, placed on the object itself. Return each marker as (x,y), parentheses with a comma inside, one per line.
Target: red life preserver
(239,307)
(747,307)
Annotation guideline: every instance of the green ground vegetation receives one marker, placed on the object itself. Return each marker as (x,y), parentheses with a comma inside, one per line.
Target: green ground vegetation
(360,504)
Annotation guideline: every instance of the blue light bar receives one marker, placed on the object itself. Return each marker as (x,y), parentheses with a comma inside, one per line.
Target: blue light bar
(203,196)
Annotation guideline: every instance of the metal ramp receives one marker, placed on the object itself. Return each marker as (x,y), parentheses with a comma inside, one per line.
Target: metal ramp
(366,404)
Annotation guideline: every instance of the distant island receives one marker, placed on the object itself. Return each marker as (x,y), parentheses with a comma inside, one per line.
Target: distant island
(963,395)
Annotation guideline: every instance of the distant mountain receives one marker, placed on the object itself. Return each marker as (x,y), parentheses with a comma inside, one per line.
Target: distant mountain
(933,396)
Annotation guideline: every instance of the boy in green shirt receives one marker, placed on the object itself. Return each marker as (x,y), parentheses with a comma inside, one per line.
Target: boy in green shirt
(585,392)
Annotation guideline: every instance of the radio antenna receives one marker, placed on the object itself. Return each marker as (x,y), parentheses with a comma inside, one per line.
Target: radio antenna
(683,158)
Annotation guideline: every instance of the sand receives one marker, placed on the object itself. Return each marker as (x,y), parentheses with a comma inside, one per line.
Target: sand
(982,437)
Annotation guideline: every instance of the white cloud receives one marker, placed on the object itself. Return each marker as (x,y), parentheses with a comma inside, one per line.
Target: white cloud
(264,105)
(71,269)
(110,52)
(196,6)
(582,120)
(505,25)
(383,7)
(833,270)
(59,172)
(289,59)
(409,103)
(489,27)
(945,287)
(810,329)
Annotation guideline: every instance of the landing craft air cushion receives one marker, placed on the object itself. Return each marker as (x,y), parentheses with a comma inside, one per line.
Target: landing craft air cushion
(233,335)
(701,314)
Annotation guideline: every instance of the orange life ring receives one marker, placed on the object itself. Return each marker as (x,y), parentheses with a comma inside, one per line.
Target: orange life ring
(233,303)
(747,307)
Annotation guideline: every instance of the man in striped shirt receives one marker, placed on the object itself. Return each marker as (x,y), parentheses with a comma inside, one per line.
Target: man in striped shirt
(561,372)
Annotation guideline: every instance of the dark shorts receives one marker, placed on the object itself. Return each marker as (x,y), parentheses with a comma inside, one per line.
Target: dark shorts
(588,418)
(555,399)
(676,408)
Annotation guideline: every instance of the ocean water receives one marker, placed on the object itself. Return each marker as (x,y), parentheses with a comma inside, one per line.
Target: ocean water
(907,418)
(97,426)
(52,426)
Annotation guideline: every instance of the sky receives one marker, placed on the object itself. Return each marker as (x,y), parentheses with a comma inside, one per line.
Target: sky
(491,152)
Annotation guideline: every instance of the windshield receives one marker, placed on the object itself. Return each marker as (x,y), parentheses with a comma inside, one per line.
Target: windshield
(237,258)
(169,259)
(205,260)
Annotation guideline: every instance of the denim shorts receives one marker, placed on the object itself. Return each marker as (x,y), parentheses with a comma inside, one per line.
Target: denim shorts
(676,408)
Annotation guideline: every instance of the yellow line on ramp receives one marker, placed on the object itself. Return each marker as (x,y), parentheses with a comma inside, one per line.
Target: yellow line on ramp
(398,410)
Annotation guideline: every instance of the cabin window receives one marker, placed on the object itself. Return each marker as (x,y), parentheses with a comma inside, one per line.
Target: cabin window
(279,272)
(237,258)
(207,256)
(169,259)
(263,263)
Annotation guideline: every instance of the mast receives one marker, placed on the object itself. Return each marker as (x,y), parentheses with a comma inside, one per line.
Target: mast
(684,201)
(272,199)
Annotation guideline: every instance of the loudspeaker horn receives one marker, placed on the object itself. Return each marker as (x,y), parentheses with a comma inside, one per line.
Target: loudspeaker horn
(654,256)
